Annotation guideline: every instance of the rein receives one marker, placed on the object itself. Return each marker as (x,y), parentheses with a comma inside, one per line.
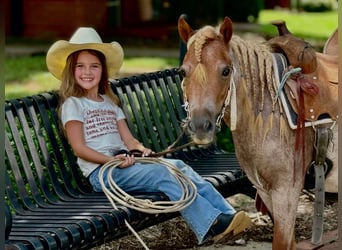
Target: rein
(168,150)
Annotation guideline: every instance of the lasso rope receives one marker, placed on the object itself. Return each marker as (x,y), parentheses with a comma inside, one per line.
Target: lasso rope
(116,195)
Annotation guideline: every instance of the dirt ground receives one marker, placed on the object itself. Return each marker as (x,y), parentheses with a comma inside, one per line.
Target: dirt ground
(174,234)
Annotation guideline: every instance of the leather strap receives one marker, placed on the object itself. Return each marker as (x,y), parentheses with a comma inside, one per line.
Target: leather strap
(138,153)
(170,149)
(323,136)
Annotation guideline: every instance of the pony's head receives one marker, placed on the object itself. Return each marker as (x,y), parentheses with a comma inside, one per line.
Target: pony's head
(207,71)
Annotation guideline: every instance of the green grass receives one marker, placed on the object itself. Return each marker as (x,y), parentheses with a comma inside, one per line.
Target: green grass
(150,62)
(27,76)
(20,69)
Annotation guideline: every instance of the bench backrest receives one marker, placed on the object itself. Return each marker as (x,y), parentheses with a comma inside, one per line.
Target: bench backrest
(38,159)
(153,106)
(33,136)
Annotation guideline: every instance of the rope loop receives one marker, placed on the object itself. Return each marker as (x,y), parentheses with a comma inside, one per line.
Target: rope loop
(117,196)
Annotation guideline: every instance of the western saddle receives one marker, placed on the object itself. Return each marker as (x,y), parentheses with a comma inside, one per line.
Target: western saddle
(317,81)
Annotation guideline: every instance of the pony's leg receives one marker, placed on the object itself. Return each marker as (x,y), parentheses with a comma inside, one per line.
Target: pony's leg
(284,203)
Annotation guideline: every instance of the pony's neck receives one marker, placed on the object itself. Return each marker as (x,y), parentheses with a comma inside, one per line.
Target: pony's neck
(255,85)
(254,71)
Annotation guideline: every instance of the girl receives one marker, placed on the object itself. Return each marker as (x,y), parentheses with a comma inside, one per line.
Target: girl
(96,129)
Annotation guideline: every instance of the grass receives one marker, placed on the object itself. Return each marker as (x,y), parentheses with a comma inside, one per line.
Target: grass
(29,75)
(135,65)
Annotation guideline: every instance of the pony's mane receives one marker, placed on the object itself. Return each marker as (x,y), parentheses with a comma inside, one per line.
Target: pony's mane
(199,39)
(255,59)
(256,63)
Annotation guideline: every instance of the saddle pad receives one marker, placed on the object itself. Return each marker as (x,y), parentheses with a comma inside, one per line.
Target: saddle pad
(279,65)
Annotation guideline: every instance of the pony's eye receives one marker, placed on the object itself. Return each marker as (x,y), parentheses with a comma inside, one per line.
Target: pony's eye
(182,72)
(226,71)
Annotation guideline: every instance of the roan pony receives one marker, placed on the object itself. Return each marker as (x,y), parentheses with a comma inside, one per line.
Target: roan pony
(226,77)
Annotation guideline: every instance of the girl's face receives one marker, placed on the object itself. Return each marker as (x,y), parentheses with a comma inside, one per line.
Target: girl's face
(88,71)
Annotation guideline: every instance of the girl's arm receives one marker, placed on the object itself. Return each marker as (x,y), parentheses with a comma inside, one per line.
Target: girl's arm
(74,131)
(130,141)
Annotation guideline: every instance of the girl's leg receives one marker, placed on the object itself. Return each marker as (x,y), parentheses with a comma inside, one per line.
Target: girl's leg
(205,188)
(200,215)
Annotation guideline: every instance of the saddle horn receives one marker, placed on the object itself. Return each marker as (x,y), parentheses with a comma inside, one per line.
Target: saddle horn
(298,52)
(282,28)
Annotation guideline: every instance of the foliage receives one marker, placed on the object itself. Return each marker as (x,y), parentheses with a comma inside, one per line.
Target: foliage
(225,140)
(201,12)
(243,10)
(318,5)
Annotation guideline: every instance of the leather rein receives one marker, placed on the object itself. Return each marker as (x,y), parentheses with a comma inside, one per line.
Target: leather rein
(168,150)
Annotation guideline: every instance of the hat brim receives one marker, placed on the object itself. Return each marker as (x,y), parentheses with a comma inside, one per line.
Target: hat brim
(58,53)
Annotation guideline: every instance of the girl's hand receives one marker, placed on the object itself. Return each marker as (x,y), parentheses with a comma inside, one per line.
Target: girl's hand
(146,152)
(128,160)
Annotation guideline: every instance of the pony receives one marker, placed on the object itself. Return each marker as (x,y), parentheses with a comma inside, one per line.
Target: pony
(229,79)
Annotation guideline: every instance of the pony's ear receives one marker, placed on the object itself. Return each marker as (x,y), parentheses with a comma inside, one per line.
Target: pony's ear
(226,29)
(184,29)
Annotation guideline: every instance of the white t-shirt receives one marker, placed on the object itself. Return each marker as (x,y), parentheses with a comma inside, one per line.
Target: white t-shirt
(99,125)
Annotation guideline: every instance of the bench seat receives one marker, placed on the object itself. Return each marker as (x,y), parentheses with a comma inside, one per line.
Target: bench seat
(51,205)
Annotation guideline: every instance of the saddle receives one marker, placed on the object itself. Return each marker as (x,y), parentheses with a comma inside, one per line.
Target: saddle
(313,90)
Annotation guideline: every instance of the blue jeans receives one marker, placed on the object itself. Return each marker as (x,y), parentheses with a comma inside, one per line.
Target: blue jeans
(199,216)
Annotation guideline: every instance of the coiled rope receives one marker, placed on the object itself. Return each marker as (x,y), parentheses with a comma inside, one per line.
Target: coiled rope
(116,195)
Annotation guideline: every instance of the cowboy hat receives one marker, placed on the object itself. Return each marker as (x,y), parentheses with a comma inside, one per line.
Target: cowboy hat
(83,38)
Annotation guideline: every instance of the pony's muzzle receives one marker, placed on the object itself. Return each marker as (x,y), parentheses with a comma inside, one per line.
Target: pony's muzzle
(201,130)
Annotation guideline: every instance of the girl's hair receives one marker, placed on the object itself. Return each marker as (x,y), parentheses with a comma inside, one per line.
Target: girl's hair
(69,86)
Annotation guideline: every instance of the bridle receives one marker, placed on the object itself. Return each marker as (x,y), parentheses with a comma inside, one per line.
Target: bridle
(229,100)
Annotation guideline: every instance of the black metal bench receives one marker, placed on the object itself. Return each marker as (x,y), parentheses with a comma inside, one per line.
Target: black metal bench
(50,204)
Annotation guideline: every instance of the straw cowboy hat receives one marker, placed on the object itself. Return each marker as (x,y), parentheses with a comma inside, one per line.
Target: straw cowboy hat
(83,38)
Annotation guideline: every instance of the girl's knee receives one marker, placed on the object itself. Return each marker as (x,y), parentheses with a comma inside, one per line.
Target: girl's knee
(161,170)
(178,163)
